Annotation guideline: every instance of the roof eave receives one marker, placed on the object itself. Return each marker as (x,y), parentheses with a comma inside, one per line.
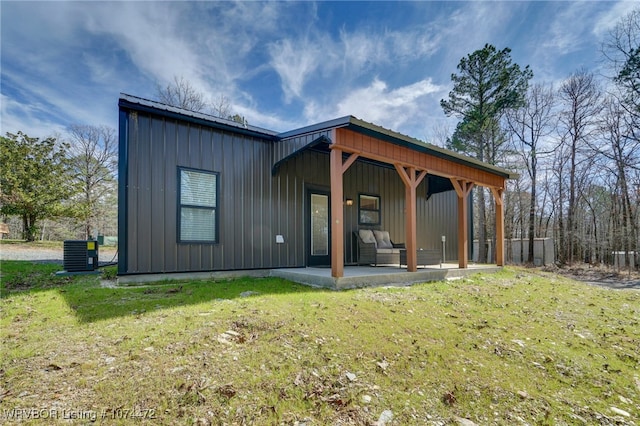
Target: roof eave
(145,105)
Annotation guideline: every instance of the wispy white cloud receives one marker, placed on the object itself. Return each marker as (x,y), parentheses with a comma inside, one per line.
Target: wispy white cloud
(380,104)
(609,18)
(295,61)
(28,118)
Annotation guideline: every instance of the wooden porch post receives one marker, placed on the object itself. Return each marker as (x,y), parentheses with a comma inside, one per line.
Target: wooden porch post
(411,182)
(497,195)
(463,189)
(336,170)
(337,214)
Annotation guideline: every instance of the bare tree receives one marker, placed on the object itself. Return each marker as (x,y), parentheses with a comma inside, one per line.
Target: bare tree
(441,134)
(93,154)
(529,125)
(622,50)
(180,93)
(221,106)
(623,154)
(580,97)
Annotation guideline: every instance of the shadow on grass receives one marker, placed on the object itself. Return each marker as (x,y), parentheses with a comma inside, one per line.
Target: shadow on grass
(91,303)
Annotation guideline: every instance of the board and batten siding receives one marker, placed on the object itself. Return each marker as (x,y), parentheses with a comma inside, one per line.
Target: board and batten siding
(253,206)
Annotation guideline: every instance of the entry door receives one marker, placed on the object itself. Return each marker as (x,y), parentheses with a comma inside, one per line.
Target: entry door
(318,229)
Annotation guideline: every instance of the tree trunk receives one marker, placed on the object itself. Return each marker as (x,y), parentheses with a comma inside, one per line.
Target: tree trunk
(482,228)
(29,227)
(532,207)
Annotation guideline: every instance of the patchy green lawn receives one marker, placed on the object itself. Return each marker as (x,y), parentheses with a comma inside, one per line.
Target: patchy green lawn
(518,347)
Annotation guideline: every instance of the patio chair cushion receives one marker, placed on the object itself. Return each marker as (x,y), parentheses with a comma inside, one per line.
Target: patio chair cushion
(366,235)
(383,239)
(388,251)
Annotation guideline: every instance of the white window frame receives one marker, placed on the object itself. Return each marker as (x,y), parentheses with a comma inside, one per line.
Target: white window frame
(201,207)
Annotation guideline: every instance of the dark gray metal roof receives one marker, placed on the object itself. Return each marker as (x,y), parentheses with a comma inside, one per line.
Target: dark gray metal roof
(141,104)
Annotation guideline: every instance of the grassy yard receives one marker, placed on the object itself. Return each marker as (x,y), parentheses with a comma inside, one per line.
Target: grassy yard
(518,347)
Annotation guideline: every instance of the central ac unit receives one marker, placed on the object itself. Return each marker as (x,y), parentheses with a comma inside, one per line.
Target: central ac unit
(80,255)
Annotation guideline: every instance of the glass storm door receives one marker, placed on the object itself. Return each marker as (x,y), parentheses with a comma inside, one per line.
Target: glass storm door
(318,230)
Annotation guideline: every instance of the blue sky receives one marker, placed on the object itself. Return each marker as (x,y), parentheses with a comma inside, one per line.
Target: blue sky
(283,65)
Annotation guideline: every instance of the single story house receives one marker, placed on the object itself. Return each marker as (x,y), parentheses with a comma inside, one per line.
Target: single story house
(198,193)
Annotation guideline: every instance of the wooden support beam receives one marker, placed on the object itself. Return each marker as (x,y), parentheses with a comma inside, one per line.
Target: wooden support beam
(336,169)
(497,195)
(411,182)
(463,189)
(352,158)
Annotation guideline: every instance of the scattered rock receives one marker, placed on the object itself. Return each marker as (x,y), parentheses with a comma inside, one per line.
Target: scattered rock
(248,293)
(230,336)
(366,399)
(518,342)
(383,365)
(621,412)
(624,400)
(385,417)
(465,422)
(523,394)
(350,376)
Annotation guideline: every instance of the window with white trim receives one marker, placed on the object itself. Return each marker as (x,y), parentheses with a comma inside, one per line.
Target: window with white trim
(197,206)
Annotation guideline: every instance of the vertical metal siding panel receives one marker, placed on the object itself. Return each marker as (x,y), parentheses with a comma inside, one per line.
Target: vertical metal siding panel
(144,196)
(227,199)
(350,192)
(262,182)
(296,187)
(238,198)
(257,230)
(421,228)
(247,210)
(182,152)
(269,210)
(269,207)
(157,193)
(170,196)
(442,220)
(206,158)
(132,193)
(278,219)
(219,162)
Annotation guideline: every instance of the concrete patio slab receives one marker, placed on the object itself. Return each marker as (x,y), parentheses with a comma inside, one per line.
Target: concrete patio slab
(368,276)
(354,276)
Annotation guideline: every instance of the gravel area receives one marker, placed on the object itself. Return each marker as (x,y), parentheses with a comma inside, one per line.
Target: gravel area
(48,255)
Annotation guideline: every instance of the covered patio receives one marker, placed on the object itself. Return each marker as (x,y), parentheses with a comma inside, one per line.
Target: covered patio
(349,141)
